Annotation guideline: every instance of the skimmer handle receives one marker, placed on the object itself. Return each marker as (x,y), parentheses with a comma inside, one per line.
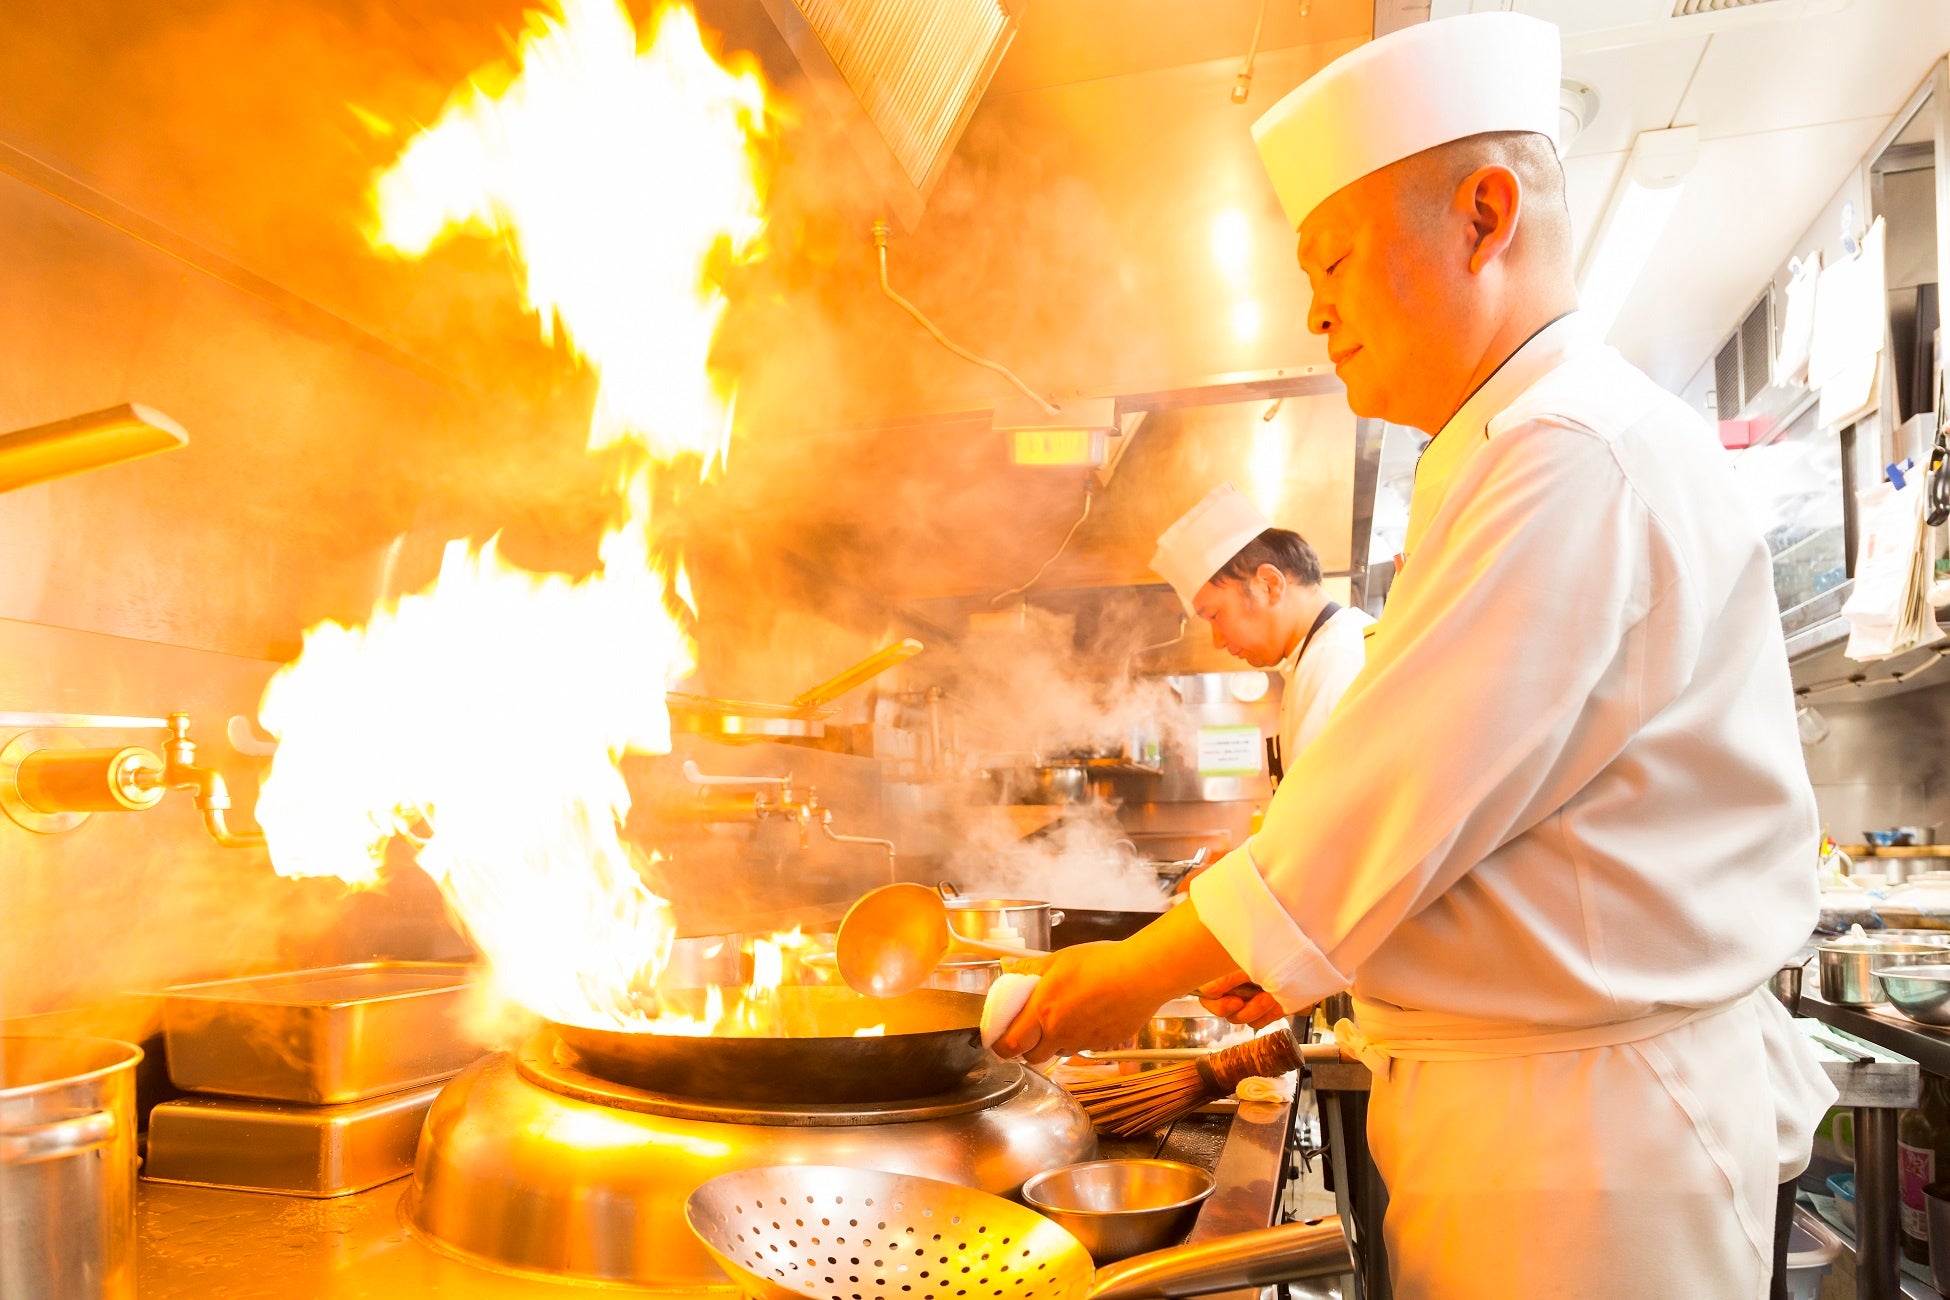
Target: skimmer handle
(1288,1253)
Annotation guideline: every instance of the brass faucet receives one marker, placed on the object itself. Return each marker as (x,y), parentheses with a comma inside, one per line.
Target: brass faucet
(205,784)
(49,786)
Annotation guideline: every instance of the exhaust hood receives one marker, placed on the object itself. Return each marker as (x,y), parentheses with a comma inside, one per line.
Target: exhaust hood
(904,74)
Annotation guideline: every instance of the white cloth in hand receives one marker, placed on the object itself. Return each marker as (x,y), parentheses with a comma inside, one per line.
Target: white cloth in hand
(1006,999)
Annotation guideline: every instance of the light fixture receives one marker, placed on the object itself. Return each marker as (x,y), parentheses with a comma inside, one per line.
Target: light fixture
(1640,208)
(1249,688)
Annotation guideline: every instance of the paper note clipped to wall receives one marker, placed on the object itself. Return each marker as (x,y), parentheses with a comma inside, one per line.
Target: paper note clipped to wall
(1846,350)
(1229,751)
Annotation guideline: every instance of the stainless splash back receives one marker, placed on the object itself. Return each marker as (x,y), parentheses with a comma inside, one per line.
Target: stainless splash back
(161,249)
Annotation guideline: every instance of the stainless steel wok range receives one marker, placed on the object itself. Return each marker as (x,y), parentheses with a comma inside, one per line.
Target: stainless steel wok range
(558,1160)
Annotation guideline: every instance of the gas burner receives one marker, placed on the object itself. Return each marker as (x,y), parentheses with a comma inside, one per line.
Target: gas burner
(529,1162)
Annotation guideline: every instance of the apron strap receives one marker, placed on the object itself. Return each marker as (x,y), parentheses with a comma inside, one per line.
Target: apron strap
(1327,611)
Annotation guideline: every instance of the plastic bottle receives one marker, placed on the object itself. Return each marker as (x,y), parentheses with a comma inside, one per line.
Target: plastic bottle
(1259,819)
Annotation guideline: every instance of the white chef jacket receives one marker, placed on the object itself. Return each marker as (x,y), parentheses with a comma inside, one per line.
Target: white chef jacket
(1555,835)
(1313,682)
(1572,746)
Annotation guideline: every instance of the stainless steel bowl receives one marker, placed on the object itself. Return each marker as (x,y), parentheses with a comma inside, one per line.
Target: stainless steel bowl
(1182,1022)
(1119,1208)
(1848,966)
(1786,985)
(1920,992)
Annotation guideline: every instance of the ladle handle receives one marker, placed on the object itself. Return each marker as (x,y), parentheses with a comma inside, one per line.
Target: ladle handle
(962,943)
(1291,1252)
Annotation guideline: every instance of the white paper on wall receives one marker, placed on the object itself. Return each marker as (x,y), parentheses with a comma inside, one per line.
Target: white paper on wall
(1798,322)
(1845,351)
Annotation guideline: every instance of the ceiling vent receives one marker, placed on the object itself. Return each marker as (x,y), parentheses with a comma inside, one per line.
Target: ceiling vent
(909,71)
(1744,365)
(1590,26)
(1687,8)
(1743,370)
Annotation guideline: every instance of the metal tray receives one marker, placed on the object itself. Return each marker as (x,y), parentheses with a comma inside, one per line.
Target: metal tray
(269,1146)
(328,1036)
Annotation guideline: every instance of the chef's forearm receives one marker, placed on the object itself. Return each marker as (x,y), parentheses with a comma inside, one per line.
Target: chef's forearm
(1176,952)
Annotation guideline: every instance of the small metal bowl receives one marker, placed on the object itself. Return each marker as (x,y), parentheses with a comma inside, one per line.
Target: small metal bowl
(1920,992)
(1182,1022)
(1119,1208)
(1847,966)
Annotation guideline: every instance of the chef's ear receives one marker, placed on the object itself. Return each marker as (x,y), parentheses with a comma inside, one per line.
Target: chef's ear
(1272,581)
(1490,198)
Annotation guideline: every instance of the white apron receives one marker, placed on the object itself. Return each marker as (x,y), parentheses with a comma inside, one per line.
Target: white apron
(1619,1162)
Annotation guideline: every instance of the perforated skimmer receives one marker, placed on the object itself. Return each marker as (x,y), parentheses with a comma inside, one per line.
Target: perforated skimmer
(827,1233)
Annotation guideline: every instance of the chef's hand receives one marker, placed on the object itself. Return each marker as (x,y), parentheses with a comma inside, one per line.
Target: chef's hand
(1240,1001)
(1091,995)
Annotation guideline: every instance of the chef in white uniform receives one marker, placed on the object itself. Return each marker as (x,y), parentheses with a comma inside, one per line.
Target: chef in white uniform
(1258,588)
(1558,834)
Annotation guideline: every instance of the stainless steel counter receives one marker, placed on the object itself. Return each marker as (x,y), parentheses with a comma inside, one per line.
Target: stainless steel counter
(196,1243)
(1872,1057)
(200,1244)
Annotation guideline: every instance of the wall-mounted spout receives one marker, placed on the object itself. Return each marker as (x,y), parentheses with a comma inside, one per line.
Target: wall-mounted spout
(804,811)
(825,824)
(49,785)
(205,784)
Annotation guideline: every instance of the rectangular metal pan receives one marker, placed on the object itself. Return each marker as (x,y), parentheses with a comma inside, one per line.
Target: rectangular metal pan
(269,1146)
(323,1037)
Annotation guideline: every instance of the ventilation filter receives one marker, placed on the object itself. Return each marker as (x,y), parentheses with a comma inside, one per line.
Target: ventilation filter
(1756,351)
(913,69)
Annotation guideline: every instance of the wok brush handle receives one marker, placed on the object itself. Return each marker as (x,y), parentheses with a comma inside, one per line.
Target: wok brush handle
(1268,1056)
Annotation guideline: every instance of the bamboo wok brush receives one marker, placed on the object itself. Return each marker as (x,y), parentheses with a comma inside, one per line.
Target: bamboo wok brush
(1132,1104)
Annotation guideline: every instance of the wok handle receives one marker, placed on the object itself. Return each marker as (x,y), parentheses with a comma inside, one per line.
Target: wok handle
(1288,1253)
(861,673)
(962,943)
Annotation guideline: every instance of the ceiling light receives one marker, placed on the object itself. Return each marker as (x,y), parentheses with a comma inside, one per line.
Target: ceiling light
(1232,243)
(1245,320)
(1640,208)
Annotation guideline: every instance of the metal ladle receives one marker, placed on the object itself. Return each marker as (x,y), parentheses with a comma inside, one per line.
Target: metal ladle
(893,937)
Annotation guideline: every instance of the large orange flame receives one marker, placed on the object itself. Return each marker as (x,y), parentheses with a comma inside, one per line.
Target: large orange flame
(619,178)
(484,718)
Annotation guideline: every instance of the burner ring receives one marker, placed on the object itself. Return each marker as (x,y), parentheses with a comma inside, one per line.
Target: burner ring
(547,1062)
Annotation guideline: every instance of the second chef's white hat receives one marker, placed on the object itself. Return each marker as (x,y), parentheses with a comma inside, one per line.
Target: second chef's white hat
(1205,539)
(1410,90)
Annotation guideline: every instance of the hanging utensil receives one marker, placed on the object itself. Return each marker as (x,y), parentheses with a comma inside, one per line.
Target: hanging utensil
(803,719)
(893,937)
(818,1232)
(859,675)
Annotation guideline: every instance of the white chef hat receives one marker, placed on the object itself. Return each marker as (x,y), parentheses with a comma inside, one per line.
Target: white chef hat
(1205,539)
(1410,90)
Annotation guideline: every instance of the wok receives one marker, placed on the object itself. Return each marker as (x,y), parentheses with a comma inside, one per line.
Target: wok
(931,1040)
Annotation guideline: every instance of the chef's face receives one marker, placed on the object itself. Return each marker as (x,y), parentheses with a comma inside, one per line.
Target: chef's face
(1242,618)
(1392,260)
